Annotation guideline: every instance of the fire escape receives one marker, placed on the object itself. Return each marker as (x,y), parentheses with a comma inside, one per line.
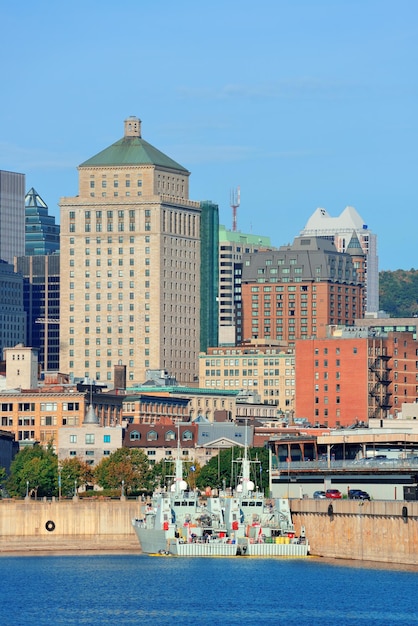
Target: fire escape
(379,381)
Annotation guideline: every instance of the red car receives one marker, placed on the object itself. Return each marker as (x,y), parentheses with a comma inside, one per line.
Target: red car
(333,493)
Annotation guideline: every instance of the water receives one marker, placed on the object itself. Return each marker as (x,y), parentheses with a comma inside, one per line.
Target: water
(121,590)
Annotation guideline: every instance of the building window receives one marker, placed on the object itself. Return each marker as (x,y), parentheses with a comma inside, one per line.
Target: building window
(89,439)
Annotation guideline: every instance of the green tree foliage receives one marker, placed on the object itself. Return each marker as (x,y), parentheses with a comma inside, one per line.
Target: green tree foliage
(74,473)
(164,472)
(35,469)
(126,464)
(224,469)
(398,293)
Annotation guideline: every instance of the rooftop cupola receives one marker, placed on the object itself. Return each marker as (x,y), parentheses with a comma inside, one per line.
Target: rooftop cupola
(133,127)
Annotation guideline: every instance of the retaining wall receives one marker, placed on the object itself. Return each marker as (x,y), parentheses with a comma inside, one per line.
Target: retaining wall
(385,531)
(78,525)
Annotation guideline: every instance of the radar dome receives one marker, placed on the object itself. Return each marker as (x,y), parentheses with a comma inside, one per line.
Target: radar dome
(250,485)
(182,485)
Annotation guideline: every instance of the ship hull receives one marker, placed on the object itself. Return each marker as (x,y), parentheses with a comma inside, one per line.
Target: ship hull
(152,540)
(280,550)
(202,549)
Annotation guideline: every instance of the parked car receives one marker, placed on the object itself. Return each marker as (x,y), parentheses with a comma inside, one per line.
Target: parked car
(358,494)
(333,493)
(319,495)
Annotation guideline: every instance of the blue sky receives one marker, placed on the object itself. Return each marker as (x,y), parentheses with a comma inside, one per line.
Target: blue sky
(301,103)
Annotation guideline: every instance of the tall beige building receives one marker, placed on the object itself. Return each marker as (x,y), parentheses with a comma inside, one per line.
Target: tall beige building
(130,263)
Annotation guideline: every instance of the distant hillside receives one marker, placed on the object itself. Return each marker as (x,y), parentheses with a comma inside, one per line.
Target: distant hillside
(398,293)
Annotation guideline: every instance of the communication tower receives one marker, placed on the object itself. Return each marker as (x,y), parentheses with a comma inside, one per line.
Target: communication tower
(235,202)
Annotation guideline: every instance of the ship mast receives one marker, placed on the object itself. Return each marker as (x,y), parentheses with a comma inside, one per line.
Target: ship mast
(246,467)
(178,479)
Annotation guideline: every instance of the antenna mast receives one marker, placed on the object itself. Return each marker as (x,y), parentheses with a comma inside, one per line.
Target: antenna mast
(235,202)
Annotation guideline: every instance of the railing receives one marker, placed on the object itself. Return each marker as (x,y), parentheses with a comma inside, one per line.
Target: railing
(357,465)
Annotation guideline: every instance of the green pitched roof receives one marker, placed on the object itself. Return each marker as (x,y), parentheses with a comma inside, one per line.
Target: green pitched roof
(132,151)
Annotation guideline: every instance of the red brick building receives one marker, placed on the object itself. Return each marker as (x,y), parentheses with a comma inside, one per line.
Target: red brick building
(297,291)
(355,375)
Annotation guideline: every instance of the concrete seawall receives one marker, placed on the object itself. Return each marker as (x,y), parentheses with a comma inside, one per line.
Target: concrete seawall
(384,531)
(80,525)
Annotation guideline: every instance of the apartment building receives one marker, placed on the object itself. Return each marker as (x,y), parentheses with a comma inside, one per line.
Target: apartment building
(232,246)
(267,370)
(341,230)
(298,290)
(354,375)
(130,261)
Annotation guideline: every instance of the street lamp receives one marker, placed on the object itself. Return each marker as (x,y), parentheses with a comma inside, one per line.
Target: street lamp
(27,490)
(122,494)
(75,488)
(59,483)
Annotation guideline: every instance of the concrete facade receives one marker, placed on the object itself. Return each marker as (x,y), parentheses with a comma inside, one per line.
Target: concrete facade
(232,246)
(12,215)
(366,531)
(268,370)
(130,259)
(21,367)
(90,442)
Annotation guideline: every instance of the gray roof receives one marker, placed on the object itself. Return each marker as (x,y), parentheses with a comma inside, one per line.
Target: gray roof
(209,434)
(91,417)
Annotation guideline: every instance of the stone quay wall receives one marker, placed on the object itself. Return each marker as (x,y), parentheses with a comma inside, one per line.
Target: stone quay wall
(74,525)
(383,531)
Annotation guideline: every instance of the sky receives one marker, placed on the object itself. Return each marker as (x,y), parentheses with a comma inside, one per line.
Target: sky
(299,103)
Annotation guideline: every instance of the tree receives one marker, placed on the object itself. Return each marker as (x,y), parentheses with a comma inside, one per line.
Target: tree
(164,471)
(34,470)
(129,465)
(73,473)
(3,474)
(224,469)
(398,292)
(161,472)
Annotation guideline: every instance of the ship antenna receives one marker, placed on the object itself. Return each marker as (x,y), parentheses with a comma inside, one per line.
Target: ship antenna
(245,464)
(179,464)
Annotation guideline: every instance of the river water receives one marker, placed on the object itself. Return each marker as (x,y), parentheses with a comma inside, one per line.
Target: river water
(119,590)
